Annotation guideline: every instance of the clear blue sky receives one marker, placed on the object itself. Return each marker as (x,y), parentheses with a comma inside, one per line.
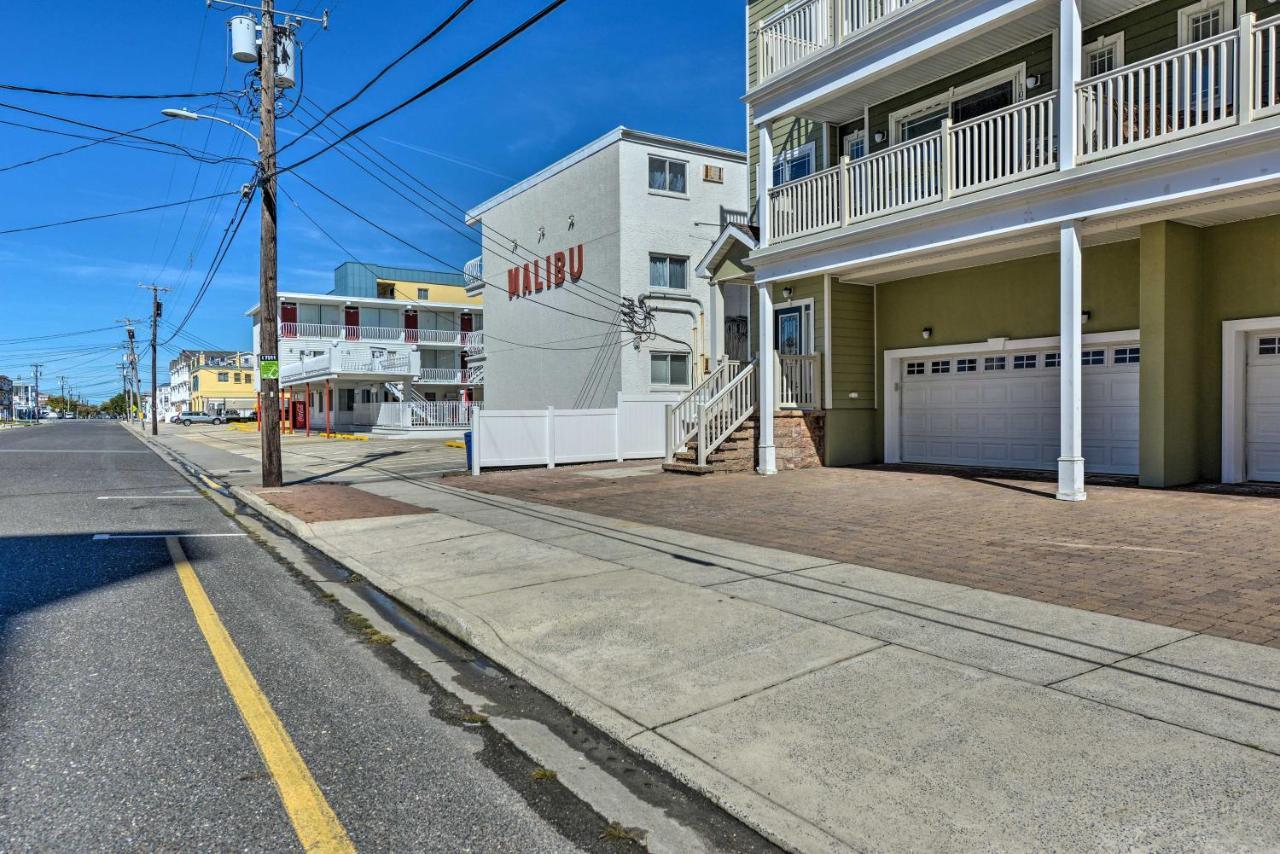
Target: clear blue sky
(664,66)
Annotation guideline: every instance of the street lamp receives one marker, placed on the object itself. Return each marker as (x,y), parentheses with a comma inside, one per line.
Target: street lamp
(187,115)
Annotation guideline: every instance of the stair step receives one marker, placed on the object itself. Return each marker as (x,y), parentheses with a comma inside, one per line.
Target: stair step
(678,467)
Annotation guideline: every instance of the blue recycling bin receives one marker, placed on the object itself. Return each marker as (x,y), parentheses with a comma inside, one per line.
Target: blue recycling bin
(466,438)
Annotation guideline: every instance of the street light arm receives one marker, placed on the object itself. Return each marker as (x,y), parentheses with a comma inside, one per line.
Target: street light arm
(187,115)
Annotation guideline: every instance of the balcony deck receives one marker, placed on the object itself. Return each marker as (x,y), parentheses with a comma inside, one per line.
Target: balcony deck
(472,341)
(1222,82)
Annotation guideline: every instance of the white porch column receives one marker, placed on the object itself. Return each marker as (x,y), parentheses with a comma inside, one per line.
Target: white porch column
(1070,34)
(764,365)
(764,178)
(1070,459)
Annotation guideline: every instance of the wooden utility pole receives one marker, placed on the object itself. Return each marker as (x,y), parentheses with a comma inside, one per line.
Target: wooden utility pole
(268,342)
(155,322)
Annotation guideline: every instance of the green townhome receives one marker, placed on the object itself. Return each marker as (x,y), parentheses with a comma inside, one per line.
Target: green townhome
(1027,234)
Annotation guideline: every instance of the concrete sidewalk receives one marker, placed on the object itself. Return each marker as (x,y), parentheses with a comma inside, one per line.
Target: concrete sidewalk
(838,707)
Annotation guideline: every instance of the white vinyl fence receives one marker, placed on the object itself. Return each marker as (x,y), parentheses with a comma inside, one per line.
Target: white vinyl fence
(634,430)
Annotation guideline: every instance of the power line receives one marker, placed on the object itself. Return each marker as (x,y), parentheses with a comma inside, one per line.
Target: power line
(55,335)
(71,150)
(458,70)
(11,87)
(115,214)
(439,28)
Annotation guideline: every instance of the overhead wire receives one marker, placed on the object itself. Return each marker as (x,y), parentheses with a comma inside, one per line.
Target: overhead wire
(113,214)
(107,96)
(72,150)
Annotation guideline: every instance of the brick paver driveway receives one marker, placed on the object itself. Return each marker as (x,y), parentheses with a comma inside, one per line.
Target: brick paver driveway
(1197,561)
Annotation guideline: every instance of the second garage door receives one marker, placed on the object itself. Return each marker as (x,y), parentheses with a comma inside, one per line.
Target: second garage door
(1262,417)
(1001,410)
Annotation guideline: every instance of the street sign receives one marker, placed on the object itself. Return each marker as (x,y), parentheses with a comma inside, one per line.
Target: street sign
(269,367)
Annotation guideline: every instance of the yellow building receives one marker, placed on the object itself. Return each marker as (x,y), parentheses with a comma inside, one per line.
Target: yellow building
(221,380)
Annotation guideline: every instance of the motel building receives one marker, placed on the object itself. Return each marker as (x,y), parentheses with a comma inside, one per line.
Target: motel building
(388,350)
(1023,234)
(621,221)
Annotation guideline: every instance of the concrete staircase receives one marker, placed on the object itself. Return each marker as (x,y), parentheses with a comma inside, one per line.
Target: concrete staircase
(797,438)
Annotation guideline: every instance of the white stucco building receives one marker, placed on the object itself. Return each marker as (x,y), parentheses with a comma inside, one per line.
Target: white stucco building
(622,221)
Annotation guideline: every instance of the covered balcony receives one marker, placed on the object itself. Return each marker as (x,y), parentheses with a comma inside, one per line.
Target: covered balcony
(452,376)
(801,30)
(384,334)
(340,361)
(1223,81)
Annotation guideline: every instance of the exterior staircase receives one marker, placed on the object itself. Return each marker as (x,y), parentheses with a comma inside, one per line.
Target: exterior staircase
(735,453)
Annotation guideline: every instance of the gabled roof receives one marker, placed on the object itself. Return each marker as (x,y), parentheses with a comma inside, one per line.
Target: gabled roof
(747,236)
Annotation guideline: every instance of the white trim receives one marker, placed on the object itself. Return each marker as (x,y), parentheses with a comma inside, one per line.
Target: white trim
(893,371)
(1186,13)
(1235,340)
(1115,40)
(730,232)
(1015,74)
(826,342)
(806,302)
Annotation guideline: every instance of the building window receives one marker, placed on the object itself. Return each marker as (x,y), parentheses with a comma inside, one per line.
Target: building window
(961,103)
(667,175)
(248,378)
(1093,357)
(386,290)
(794,164)
(1024,361)
(1201,21)
(855,145)
(1269,346)
(237,379)
(668,271)
(1127,355)
(669,369)
(915,369)
(195,383)
(1053,360)
(223,377)
(346,399)
(940,367)
(966,366)
(423,293)
(993,363)
(1105,54)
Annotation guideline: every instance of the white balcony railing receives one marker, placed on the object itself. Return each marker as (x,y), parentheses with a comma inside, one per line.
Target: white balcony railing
(1008,144)
(383,334)
(794,35)
(1266,67)
(452,376)
(807,205)
(902,176)
(389,363)
(1182,92)
(336,361)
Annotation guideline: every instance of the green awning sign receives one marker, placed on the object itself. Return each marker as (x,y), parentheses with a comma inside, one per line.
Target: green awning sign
(269,367)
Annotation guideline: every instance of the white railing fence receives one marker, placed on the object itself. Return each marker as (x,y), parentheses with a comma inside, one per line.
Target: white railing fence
(390,363)
(451,337)
(858,15)
(1014,142)
(548,437)
(312,366)
(806,205)
(788,38)
(1178,93)
(1266,67)
(682,420)
(725,412)
(799,381)
(899,177)
(442,413)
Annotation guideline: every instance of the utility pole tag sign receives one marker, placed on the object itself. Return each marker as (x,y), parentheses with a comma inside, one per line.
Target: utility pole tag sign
(268,367)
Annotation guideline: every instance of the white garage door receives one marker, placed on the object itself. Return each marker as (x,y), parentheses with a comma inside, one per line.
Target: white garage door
(1262,414)
(1001,411)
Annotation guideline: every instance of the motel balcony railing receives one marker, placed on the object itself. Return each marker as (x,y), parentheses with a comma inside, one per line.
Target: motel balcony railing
(452,376)
(472,341)
(793,35)
(335,362)
(1227,80)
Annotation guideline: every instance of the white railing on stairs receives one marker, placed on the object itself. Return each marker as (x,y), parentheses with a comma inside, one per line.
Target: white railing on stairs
(682,416)
(799,381)
(725,412)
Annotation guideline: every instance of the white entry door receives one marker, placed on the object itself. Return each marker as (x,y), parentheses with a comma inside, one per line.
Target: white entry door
(1262,408)
(1001,410)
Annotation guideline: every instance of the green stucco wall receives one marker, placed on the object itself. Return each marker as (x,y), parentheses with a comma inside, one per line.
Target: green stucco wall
(1170,274)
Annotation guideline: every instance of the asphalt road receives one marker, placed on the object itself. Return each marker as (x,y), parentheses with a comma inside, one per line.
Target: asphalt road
(117,729)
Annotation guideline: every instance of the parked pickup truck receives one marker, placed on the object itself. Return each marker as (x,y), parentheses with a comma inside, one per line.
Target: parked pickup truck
(186,419)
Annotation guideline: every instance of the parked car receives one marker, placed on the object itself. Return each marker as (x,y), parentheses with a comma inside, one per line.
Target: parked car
(189,418)
(174,418)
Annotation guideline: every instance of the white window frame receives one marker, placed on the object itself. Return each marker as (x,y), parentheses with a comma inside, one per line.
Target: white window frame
(666,158)
(1016,74)
(1115,41)
(850,139)
(784,158)
(1187,13)
(668,354)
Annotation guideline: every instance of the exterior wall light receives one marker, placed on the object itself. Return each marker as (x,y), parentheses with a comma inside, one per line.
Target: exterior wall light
(927,332)
(879,136)
(1085,317)
(786,294)
(1033,81)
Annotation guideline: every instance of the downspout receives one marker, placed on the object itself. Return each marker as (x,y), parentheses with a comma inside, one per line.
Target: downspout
(696,349)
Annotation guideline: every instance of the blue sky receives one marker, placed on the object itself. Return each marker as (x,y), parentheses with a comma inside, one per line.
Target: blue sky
(664,66)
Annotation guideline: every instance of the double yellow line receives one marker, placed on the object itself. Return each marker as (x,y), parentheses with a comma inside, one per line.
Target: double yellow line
(314,821)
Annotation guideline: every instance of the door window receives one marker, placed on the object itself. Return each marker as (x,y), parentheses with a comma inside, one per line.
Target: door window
(792,331)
